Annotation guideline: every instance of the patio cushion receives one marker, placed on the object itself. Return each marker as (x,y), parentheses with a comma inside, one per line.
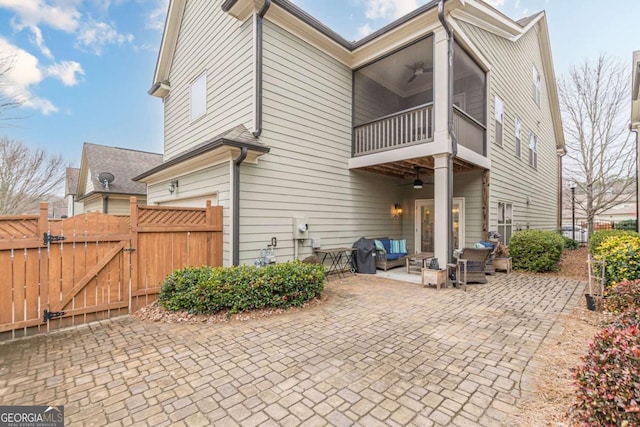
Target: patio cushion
(399,246)
(392,257)
(379,245)
(387,245)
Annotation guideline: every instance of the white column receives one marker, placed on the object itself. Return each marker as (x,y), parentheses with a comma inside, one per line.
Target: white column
(440,84)
(440,201)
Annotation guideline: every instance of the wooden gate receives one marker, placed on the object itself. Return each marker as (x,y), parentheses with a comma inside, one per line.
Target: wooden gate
(95,266)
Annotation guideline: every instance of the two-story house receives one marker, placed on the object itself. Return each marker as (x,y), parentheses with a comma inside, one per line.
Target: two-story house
(277,118)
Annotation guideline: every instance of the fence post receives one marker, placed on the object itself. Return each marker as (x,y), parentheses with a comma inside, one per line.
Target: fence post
(209,222)
(133,255)
(43,227)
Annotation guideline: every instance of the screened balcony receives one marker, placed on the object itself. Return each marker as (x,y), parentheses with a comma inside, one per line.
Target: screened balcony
(393,101)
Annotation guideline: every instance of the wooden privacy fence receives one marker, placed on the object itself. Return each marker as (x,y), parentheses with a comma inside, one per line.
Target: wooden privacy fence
(94,266)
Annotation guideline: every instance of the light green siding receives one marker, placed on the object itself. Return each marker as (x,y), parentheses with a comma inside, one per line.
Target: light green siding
(307,125)
(210,40)
(512,179)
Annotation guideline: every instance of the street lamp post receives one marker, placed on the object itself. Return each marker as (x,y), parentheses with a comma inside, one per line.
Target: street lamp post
(573,209)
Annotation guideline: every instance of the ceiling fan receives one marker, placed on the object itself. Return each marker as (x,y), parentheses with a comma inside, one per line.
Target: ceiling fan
(418,69)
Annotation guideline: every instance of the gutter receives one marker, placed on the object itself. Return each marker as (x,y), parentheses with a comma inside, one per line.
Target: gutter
(236,206)
(259,37)
(452,135)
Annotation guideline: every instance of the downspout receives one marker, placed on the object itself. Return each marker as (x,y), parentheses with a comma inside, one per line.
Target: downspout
(452,135)
(236,205)
(105,204)
(258,100)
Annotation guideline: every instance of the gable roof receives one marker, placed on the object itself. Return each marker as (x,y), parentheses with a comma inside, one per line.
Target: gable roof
(123,163)
(238,137)
(71,181)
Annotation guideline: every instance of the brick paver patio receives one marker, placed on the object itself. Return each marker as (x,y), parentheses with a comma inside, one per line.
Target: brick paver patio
(380,353)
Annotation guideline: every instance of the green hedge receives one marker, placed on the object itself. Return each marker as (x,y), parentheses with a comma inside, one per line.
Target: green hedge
(211,290)
(569,243)
(536,250)
(629,224)
(622,257)
(598,237)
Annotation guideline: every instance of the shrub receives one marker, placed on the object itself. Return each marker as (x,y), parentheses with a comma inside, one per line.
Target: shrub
(623,296)
(536,250)
(607,380)
(211,290)
(622,257)
(570,243)
(598,237)
(629,224)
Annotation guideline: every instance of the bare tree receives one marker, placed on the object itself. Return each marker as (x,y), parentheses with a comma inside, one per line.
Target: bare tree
(26,176)
(8,99)
(594,98)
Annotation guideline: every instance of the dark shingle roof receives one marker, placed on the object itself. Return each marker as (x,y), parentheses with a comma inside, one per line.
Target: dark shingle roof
(123,163)
(238,137)
(71,181)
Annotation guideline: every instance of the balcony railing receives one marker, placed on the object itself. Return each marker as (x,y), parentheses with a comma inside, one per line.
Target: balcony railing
(469,132)
(408,127)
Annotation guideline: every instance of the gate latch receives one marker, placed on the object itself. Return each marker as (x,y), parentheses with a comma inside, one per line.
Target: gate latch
(48,238)
(48,315)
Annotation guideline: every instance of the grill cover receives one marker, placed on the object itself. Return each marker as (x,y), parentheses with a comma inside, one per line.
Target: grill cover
(364,257)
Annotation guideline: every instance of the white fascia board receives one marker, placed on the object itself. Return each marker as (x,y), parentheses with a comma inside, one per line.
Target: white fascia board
(169,40)
(470,46)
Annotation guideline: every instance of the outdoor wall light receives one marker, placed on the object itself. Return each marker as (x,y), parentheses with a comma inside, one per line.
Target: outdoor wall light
(397,210)
(172,186)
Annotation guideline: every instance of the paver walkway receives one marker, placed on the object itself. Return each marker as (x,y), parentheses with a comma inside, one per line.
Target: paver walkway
(378,352)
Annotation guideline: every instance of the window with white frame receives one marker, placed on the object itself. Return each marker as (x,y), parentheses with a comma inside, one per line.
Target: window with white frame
(518,131)
(533,150)
(505,222)
(537,85)
(199,96)
(499,116)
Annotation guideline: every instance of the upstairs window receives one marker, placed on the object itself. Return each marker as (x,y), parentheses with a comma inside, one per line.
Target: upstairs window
(518,132)
(533,150)
(199,96)
(499,113)
(537,85)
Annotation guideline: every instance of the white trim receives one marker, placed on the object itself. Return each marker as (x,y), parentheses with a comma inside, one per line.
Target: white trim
(420,203)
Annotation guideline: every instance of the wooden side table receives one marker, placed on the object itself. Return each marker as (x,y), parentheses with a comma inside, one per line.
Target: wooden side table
(503,264)
(434,277)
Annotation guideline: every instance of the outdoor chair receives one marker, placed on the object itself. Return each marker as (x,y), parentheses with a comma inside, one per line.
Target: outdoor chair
(473,261)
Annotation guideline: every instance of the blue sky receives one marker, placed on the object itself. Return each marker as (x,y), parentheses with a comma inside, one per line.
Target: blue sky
(85,65)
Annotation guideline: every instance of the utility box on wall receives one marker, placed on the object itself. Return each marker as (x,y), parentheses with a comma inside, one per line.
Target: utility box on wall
(300,228)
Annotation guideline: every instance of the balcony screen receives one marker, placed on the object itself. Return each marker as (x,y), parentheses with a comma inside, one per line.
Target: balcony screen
(395,83)
(469,81)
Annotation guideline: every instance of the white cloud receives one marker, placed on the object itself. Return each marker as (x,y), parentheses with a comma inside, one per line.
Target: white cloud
(155,19)
(38,40)
(364,31)
(68,72)
(94,35)
(59,14)
(389,9)
(24,71)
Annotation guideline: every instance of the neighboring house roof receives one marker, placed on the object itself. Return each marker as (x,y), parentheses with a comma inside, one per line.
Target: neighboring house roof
(237,137)
(71,181)
(122,163)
